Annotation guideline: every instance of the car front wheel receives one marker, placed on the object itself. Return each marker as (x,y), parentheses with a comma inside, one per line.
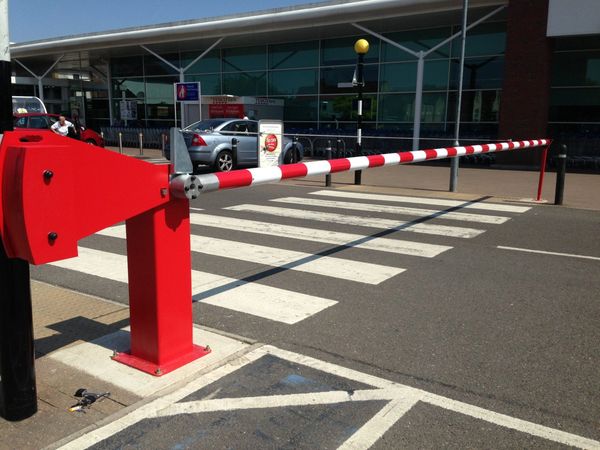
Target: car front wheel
(224,162)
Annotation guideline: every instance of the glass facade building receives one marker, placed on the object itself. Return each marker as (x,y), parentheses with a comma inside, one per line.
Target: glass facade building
(575,86)
(521,78)
(306,75)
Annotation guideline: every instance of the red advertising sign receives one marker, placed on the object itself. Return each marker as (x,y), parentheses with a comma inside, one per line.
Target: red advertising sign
(234,110)
(271,143)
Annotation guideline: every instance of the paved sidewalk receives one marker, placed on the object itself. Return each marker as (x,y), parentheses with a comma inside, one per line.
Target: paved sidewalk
(64,318)
(69,324)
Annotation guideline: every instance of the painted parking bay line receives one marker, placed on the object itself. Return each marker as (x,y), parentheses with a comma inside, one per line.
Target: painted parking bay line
(345,269)
(251,298)
(543,252)
(393,209)
(399,400)
(317,235)
(425,201)
(360,221)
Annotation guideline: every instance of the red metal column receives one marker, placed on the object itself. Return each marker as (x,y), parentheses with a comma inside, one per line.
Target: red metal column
(160,295)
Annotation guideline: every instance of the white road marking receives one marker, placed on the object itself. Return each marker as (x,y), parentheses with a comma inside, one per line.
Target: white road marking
(401,399)
(278,401)
(542,252)
(111,266)
(513,423)
(392,209)
(148,410)
(376,427)
(316,235)
(425,201)
(359,221)
(257,299)
(344,269)
(251,298)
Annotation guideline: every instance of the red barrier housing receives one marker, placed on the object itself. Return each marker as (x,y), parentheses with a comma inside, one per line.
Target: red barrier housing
(55,191)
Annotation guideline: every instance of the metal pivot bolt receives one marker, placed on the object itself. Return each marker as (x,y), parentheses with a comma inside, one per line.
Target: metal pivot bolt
(48,174)
(52,236)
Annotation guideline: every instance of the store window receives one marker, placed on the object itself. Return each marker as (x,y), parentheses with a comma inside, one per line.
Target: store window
(300,108)
(292,55)
(210,84)
(160,88)
(244,59)
(399,77)
(291,82)
(245,83)
(401,107)
(575,105)
(476,106)
(479,73)
(580,68)
(416,40)
(485,39)
(129,87)
(211,62)
(127,66)
(155,66)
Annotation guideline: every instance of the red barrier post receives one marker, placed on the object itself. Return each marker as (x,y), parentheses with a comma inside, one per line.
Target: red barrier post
(160,292)
(542,172)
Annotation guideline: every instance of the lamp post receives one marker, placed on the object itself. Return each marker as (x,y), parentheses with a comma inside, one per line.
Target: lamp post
(361,47)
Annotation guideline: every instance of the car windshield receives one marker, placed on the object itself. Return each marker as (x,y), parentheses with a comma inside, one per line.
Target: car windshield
(206,125)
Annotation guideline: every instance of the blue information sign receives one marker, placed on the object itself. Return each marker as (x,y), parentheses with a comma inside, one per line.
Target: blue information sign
(187,92)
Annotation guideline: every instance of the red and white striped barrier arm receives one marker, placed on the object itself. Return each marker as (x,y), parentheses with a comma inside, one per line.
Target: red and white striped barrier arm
(261,175)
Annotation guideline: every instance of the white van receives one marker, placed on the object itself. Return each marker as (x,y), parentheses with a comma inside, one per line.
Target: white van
(23,105)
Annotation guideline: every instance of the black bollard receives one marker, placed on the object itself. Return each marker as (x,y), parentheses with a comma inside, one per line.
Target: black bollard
(234,144)
(561,170)
(295,153)
(328,155)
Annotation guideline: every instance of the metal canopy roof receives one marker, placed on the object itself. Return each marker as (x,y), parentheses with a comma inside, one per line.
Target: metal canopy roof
(304,22)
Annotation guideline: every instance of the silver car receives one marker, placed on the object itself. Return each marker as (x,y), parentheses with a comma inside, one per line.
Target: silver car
(210,142)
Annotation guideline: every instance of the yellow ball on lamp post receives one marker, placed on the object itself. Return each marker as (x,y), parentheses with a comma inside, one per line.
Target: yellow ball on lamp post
(361,46)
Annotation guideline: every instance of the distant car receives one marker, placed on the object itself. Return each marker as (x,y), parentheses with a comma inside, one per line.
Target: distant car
(41,121)
(209,143)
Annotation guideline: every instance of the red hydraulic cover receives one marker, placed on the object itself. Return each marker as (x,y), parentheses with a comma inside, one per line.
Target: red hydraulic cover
(55,191)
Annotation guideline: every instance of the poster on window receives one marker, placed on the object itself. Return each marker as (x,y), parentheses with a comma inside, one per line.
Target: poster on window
(270,142)
(128,109)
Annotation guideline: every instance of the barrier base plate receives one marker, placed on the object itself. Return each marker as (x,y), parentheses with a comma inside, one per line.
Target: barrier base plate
(159,370)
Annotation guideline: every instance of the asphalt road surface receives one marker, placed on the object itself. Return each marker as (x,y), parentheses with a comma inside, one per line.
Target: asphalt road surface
(486,345)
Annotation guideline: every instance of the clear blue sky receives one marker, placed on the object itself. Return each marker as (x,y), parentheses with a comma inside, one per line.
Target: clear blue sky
(38,19)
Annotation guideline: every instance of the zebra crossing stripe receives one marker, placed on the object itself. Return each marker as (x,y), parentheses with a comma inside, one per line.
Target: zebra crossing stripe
(393,209)
(424,201)
(316,235)
(438,230)
(345,269)
(251,298)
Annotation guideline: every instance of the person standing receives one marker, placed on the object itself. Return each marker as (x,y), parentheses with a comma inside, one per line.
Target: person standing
(62,126)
